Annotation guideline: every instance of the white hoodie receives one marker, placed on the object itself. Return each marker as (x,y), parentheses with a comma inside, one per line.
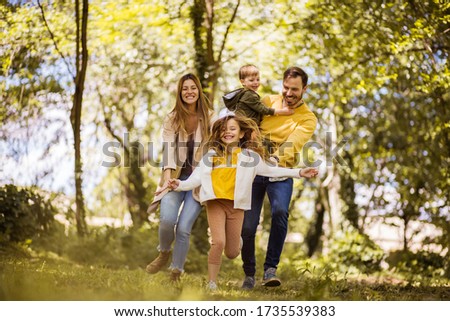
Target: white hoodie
(249,165)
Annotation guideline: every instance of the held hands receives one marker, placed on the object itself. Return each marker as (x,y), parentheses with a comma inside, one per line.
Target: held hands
(173,183)
(166,178)
(308,172)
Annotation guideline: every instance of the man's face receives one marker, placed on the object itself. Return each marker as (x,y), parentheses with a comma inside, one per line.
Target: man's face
(293,90)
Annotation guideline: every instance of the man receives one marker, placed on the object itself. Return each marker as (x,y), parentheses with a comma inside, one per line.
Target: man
(286,137)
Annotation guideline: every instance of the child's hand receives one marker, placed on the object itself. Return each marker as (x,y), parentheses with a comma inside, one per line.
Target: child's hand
(285,111)
(308,172)
(173,183)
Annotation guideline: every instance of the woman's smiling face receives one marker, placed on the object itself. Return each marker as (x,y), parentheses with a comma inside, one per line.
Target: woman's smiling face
(189,92)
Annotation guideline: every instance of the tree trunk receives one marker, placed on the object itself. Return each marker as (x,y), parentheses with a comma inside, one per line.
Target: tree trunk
(208,61)
(197,16)
(348,195)
(75,114)
(134,185)
(316,228)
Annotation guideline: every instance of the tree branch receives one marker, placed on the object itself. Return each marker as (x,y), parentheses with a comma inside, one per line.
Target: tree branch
(54,40)
(225,36)
(107,119)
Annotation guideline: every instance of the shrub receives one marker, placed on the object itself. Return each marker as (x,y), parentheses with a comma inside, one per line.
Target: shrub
(24,213)
(114,247)
(422,263)
(352,249)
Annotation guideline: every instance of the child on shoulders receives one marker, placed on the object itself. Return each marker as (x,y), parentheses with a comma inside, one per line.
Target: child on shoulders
(246,101)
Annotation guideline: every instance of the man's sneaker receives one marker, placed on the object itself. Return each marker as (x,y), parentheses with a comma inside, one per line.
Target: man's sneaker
(212,286)
(270,277)
(249,283)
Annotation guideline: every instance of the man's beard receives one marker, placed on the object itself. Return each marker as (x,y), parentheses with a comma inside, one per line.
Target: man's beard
(295,103)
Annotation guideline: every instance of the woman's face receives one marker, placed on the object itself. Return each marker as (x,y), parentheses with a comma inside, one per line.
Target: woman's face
(232,132)
(189,92)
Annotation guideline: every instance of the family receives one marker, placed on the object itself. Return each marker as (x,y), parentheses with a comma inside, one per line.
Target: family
(228,164)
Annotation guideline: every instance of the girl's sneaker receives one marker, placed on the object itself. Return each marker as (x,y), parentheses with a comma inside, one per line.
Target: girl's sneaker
(212,286)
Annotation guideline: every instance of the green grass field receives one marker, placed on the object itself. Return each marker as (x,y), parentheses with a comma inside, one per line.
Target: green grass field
(25,275)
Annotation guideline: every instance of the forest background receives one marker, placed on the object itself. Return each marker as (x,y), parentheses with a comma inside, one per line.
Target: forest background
(85,85)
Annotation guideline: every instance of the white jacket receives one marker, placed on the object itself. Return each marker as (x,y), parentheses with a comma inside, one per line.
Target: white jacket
(249,164)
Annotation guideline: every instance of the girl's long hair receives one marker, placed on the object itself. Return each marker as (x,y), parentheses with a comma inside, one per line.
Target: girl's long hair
(181,113)
(252,138)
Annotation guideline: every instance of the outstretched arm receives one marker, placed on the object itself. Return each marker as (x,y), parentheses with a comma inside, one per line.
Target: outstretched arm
(309,172)
(192,182)
(263,169)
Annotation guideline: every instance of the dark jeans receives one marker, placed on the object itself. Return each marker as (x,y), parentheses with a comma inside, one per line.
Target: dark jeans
(279,194)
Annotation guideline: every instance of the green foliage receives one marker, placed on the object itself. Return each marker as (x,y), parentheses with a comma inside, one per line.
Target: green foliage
(113,247)
(351,251)
(417,265)
(24,214)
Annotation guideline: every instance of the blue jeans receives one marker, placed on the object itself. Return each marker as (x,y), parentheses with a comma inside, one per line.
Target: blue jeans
(279,194)
(176,225)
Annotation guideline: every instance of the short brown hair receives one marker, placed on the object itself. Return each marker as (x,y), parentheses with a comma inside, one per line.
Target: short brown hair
(248,71)
(294,72)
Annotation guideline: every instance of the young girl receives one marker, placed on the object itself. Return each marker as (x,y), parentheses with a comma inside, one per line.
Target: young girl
(225,174)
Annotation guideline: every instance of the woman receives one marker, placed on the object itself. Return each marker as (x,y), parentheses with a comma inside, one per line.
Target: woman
(184,130)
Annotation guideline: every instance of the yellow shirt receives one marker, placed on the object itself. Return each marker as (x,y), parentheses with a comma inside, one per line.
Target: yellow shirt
(223,175)
(288,133)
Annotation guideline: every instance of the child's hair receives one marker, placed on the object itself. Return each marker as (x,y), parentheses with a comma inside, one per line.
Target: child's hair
(251,139)
(248,71)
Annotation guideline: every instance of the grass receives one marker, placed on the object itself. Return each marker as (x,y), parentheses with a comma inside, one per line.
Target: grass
(26,275)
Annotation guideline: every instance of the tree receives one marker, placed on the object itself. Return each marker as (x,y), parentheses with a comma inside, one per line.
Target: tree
(383,76)
(81,59)
(208,59)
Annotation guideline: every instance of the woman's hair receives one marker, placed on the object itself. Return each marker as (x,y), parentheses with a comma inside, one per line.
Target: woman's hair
(181,113)
(251,139)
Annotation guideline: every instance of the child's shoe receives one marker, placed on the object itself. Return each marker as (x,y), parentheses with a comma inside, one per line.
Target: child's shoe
(212,286)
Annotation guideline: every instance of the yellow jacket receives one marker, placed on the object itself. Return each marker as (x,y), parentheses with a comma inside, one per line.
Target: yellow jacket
(287,134)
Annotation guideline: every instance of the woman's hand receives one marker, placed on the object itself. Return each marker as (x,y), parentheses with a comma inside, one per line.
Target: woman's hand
(161,189)
(308,172)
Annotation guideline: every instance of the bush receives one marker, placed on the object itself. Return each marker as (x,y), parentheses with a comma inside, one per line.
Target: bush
(114,247)
(24,214)
(422,263)
(352,249)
